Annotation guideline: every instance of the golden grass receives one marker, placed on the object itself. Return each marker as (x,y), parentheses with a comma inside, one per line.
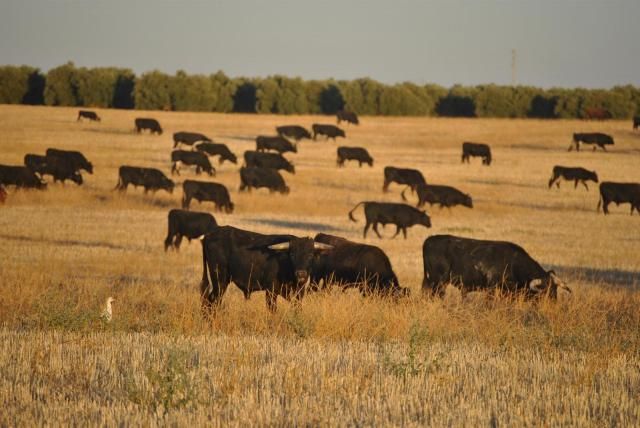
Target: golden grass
(337,358)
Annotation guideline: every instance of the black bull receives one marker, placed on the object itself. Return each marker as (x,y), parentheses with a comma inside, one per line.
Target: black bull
(473,264)
(277,264)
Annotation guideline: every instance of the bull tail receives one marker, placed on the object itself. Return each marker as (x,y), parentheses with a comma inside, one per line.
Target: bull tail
(351,217)
(205,284)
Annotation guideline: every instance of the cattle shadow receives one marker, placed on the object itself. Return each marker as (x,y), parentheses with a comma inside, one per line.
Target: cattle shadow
(552,208)
(504,183)
(614,277)
(66,242)
(115,131)
(298,225)
(538,148)
(239,137)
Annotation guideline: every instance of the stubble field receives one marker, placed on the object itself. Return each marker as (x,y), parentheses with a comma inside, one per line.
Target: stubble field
(338,358)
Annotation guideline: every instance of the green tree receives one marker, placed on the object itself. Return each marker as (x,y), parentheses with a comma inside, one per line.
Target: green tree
(152,91)
(61,87)
(21,85)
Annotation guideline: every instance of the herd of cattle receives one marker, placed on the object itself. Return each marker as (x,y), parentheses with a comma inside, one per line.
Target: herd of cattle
(288,266)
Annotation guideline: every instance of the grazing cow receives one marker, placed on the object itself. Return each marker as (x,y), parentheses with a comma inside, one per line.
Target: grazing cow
(76,159)
(330,131)
(293,131)
(597,113)
(58,167)
(149,178)
(277,143)
(575,174)
(20,176)
(191,224)
(350,264)
(595,138)
(636,122)
(472,264)
(206,191)
(354,153)
(476,150)
(198,159)
(87,114)
(3,194)
(445,196)
(277,264)
(268,160)
(262,177)
(401,215)
(407,176)
(152,125)
(217,149)
(189,138)
(347,116)
(620,193)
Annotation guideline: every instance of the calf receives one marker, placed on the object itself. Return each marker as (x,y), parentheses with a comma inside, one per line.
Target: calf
(188,138)
(217,149)
(262,177)
(268,160)
(206,191)
(187,223)
(407,176)
(597,139)
(77,160)
(476,150)
(330,131)
(359,154)
(149,178)
(445,196)
(350,264)
(575,174)
(293,131)
(87,114)
(20,176)
(401,215)
(197,159)
(152,125)
(347,116)
(473,264)
(277,143)
(620,193)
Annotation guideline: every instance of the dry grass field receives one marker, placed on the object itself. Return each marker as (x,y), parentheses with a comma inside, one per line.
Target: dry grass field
(338,358)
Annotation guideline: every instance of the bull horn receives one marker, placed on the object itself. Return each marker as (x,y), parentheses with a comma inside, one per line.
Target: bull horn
(280,246)
(559,282)
(322,246)
(533,285)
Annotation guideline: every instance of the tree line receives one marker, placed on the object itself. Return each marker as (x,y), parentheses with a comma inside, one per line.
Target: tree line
(111,87)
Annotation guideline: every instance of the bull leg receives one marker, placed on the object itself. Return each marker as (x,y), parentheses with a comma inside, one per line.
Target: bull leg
(397,231)
(385,186)
(404,232)
(552,180)
(375,229)
(584,183)
(272,299)
(212,293)
(366,228)
(575,183)
(595,147)
(605,207)
(198,170)
(177,242)
(603,147)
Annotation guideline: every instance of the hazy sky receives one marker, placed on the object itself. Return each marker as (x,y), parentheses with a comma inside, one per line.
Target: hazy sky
(558,43)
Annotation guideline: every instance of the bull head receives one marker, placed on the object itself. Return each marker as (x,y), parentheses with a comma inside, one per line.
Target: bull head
(301,253)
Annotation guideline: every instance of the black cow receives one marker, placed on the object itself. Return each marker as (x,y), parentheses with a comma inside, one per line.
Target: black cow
(407,176)
(197,159)
(636,122)
(20,176)
(189,138)
(598,139)
(354,153)
(401,215)
(347,116)
(152,125)
(277,264)
(620,193)
(330,131)
(87,114)
(268,160)
(262,177)
(149,178)
(472,264)
(350,264)
(293,131)
(217,149)
(445,196)
(575,174)
(206,191)
(277,143)
(191,224)
(75,158)
(59,168)
(476,150)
